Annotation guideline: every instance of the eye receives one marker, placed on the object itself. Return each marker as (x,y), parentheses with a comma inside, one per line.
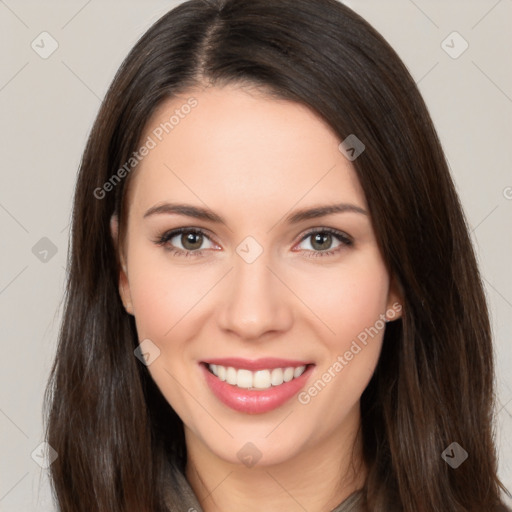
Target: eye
(185,241)
(189,242)
(322,240)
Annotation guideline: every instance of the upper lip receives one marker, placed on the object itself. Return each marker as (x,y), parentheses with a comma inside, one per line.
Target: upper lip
(256,364)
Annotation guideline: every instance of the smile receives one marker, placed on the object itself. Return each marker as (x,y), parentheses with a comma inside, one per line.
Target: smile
(255,387)
(261,379)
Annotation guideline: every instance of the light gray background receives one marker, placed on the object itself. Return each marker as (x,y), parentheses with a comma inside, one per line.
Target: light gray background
(48,107)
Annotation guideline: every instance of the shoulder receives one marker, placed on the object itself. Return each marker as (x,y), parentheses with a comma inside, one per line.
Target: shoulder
(354,503)
(179,495)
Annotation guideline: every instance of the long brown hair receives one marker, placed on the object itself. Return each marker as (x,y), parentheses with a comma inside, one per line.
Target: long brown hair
(115,434)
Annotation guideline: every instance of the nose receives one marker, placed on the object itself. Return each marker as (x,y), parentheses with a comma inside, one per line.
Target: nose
(256,301)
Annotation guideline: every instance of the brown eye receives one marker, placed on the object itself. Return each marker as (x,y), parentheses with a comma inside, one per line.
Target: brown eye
(322,240)
(185,241)
(191,241)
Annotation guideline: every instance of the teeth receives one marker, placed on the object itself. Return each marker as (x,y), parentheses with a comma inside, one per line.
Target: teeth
(288,374)
(220,371)
(231,377)
(244,379)
(276,377)
(298,372)
(261,379)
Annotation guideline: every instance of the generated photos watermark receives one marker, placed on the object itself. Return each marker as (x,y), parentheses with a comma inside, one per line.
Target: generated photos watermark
(147,352)
(357,345)
(151,142)
(454,455)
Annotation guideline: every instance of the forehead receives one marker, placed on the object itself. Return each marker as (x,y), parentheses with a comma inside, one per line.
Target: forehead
(232,144)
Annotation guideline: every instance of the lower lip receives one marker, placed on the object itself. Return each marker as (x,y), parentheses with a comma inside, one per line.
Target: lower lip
(251,401)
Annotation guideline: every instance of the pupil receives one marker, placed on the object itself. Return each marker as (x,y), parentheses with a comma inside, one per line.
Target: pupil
(321,238)
(193,240)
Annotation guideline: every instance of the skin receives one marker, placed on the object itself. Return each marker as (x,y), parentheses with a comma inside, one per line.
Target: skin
(254,160)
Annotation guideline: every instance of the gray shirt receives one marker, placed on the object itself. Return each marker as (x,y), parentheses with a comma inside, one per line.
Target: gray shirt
(189,503)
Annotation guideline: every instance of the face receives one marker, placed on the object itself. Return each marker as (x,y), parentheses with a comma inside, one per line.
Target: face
(250,280)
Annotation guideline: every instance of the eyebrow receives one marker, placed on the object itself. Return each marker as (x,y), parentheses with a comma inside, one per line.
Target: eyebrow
(197,212)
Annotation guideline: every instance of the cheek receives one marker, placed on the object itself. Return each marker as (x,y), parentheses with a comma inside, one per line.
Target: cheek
(165,299)
(350,302)
(347,299)
(163,295)
(152,304)
(352,308)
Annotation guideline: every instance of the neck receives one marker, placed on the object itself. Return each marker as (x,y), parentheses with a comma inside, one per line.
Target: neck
(318,478)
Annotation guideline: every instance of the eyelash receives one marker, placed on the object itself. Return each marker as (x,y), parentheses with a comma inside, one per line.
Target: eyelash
(168,235)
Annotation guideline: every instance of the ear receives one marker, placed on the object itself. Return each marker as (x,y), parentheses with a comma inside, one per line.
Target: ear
(394,305)
(124,286)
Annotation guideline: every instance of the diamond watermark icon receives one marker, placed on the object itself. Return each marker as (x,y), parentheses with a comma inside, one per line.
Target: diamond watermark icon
(249,455)
(454,45)
(249,249)
(454,455)
(44,250)
(44,455)
(147,352)
(351,147)
(44,45)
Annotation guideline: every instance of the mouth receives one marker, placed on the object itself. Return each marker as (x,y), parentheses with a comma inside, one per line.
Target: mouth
(258,386)
(260,379)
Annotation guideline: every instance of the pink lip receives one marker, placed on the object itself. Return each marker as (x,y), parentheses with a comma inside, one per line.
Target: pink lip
(257,364)
(252,401)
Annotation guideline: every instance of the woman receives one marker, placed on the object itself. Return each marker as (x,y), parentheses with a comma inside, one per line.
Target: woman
(270,281)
